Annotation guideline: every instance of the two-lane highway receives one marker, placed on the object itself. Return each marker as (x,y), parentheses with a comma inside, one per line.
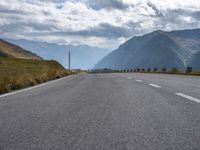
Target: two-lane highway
(104,112)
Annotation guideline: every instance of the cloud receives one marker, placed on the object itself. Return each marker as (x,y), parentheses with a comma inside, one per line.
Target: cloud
(103,30)
(196,15)
(107,4)
(103,23)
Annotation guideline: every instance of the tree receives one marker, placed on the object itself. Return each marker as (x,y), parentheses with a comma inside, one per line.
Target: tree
(164,70)
(189,70)
(155,69)
(149,69)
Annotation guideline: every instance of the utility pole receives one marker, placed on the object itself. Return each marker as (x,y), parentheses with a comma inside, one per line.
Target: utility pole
(69,60)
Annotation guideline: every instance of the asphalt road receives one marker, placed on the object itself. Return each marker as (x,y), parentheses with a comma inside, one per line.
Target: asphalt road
(104,112)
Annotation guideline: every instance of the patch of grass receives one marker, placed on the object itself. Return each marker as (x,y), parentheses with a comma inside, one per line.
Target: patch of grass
(21,73)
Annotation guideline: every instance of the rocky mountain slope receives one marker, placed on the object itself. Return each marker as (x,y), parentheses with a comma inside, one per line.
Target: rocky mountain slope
(158,49)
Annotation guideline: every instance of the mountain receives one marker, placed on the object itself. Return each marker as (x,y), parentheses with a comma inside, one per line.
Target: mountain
(189,39)
(158,49)
(82,56)
(10,50)
(195,61)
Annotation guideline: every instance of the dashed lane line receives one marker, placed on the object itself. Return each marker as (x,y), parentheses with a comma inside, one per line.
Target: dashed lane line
(140,81)
(154,85)
(188,97)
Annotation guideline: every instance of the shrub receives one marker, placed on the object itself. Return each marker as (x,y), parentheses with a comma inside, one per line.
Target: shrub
(149,69)
(188,70)
(175,70)
(164,70)
(43,77)
(155,69)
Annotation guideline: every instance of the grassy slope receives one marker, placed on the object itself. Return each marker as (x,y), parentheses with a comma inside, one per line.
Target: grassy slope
(10,50)
(20,73)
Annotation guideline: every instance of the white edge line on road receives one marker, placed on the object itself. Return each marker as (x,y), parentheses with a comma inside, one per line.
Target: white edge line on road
(154,85)
(33,87)
(140,81)
(188,97)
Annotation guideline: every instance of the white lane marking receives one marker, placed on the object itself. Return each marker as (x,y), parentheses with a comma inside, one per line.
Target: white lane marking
(140,81)
(31,88)
(129,77)
(188,97)
(154,85)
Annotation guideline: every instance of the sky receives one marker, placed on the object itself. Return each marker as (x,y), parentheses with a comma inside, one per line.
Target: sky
(100,23)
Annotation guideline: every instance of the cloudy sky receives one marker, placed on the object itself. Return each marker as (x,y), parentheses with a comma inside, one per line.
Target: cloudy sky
(102,23)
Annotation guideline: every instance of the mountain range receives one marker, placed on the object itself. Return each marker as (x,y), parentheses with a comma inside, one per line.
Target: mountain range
(158,49)
(82,56)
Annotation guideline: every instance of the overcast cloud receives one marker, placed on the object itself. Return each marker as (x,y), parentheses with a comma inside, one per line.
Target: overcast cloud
(102,23)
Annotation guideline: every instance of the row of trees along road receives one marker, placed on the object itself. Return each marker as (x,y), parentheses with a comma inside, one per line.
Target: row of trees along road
(143,70)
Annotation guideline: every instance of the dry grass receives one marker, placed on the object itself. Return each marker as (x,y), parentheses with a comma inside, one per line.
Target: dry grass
(195,73)
(21,73)
(10,50)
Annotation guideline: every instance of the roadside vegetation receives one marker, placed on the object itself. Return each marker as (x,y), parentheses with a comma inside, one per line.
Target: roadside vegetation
(175,71)
(21,73)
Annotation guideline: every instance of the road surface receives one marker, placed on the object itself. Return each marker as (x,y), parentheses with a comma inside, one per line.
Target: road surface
(104,112)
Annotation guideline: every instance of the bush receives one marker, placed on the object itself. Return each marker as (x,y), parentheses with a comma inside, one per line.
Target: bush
(149,69)
(155,69)
(138,69)
(189,70)
(175,71)
(164,70)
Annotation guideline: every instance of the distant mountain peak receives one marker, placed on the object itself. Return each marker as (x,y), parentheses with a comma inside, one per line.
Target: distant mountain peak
(158,32)
(82,56)
(160,49)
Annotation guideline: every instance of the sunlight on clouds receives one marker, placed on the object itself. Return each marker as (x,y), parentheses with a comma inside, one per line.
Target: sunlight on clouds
(94,22)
